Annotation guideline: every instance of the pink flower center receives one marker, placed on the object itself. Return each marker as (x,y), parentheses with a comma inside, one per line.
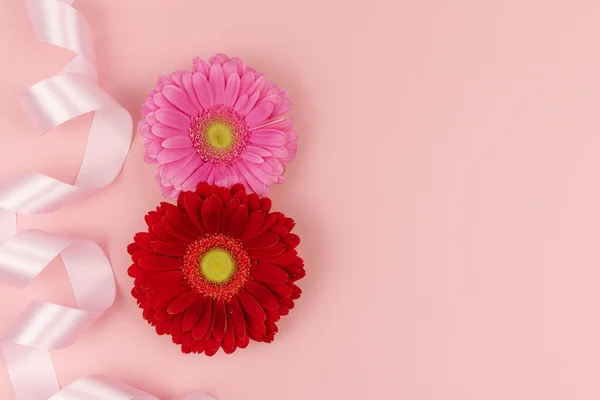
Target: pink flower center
(219,135)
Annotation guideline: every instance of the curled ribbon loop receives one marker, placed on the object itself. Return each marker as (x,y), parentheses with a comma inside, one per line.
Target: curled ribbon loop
(60,98)
(98,387)
(70,93)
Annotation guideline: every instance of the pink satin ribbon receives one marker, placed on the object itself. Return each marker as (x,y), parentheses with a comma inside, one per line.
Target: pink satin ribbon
(51,102)
(98,387)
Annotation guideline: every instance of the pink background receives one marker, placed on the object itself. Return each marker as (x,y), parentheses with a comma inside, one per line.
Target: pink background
(446,191)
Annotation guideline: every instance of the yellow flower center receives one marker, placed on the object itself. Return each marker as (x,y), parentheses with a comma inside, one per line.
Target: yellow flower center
(219,135)
(217,265)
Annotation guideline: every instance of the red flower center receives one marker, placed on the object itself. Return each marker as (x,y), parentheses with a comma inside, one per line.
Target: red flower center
(216,266)
(219,135)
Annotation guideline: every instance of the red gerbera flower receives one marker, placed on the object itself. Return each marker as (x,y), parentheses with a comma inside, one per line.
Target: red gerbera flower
(216,270)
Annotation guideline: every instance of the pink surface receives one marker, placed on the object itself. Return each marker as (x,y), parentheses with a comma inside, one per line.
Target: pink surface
(445,190)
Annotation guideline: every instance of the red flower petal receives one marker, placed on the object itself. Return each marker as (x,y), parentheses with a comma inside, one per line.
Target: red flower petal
(256,328)
(176,330)
(143,240)
(269,273)
(182,302)
(270,221)
(251,306)
(264,297)
(169,248)
(212,346)
(159,263)
(162,316)
(211,214)
(253,202)
(201,327)
(133,248)
(238,221)
(193,206)
(135,271)
(289,223)
(263,241)
(291,241)
(193,313)
(255,221)
(164,297)
(238,187)
(279,230)
(161,279)
(220,320)
(152,218)
(228,343)
(225,195)
(242,197)
(282,291)
(182,221)
(242,343)
(175,232)
(265,204)
(268,253)
(285,258)
(237,318)
(159,231)
(230,207)
(204,190)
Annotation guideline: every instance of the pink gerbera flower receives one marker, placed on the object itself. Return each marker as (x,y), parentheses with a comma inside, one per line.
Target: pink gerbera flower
(223,123)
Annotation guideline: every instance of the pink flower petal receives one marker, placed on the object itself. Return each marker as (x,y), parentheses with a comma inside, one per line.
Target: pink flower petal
(161,101)
(273,99)
(258,150)
(170,155)
(163,131)
(245,82)
(262,173)
(169,170)
(177,142)
(203,90)
(232,90)
(240,64)
(223,176)
(185,172)
(230,68)
(278,152)
(217,83)
(283,107)
(149,159)
(179,99)
(200,175)
(211,177)
(202,66)
(250,105)
(173,118)
(259,114)
(273,166)
(268,137)
(188,86)
(292,149)
(258,84)
(283,124)
(219,59)
(252,157)
(241,102)
(150,104)
(176,77)
(154,149)
(150,118)
(255,184)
